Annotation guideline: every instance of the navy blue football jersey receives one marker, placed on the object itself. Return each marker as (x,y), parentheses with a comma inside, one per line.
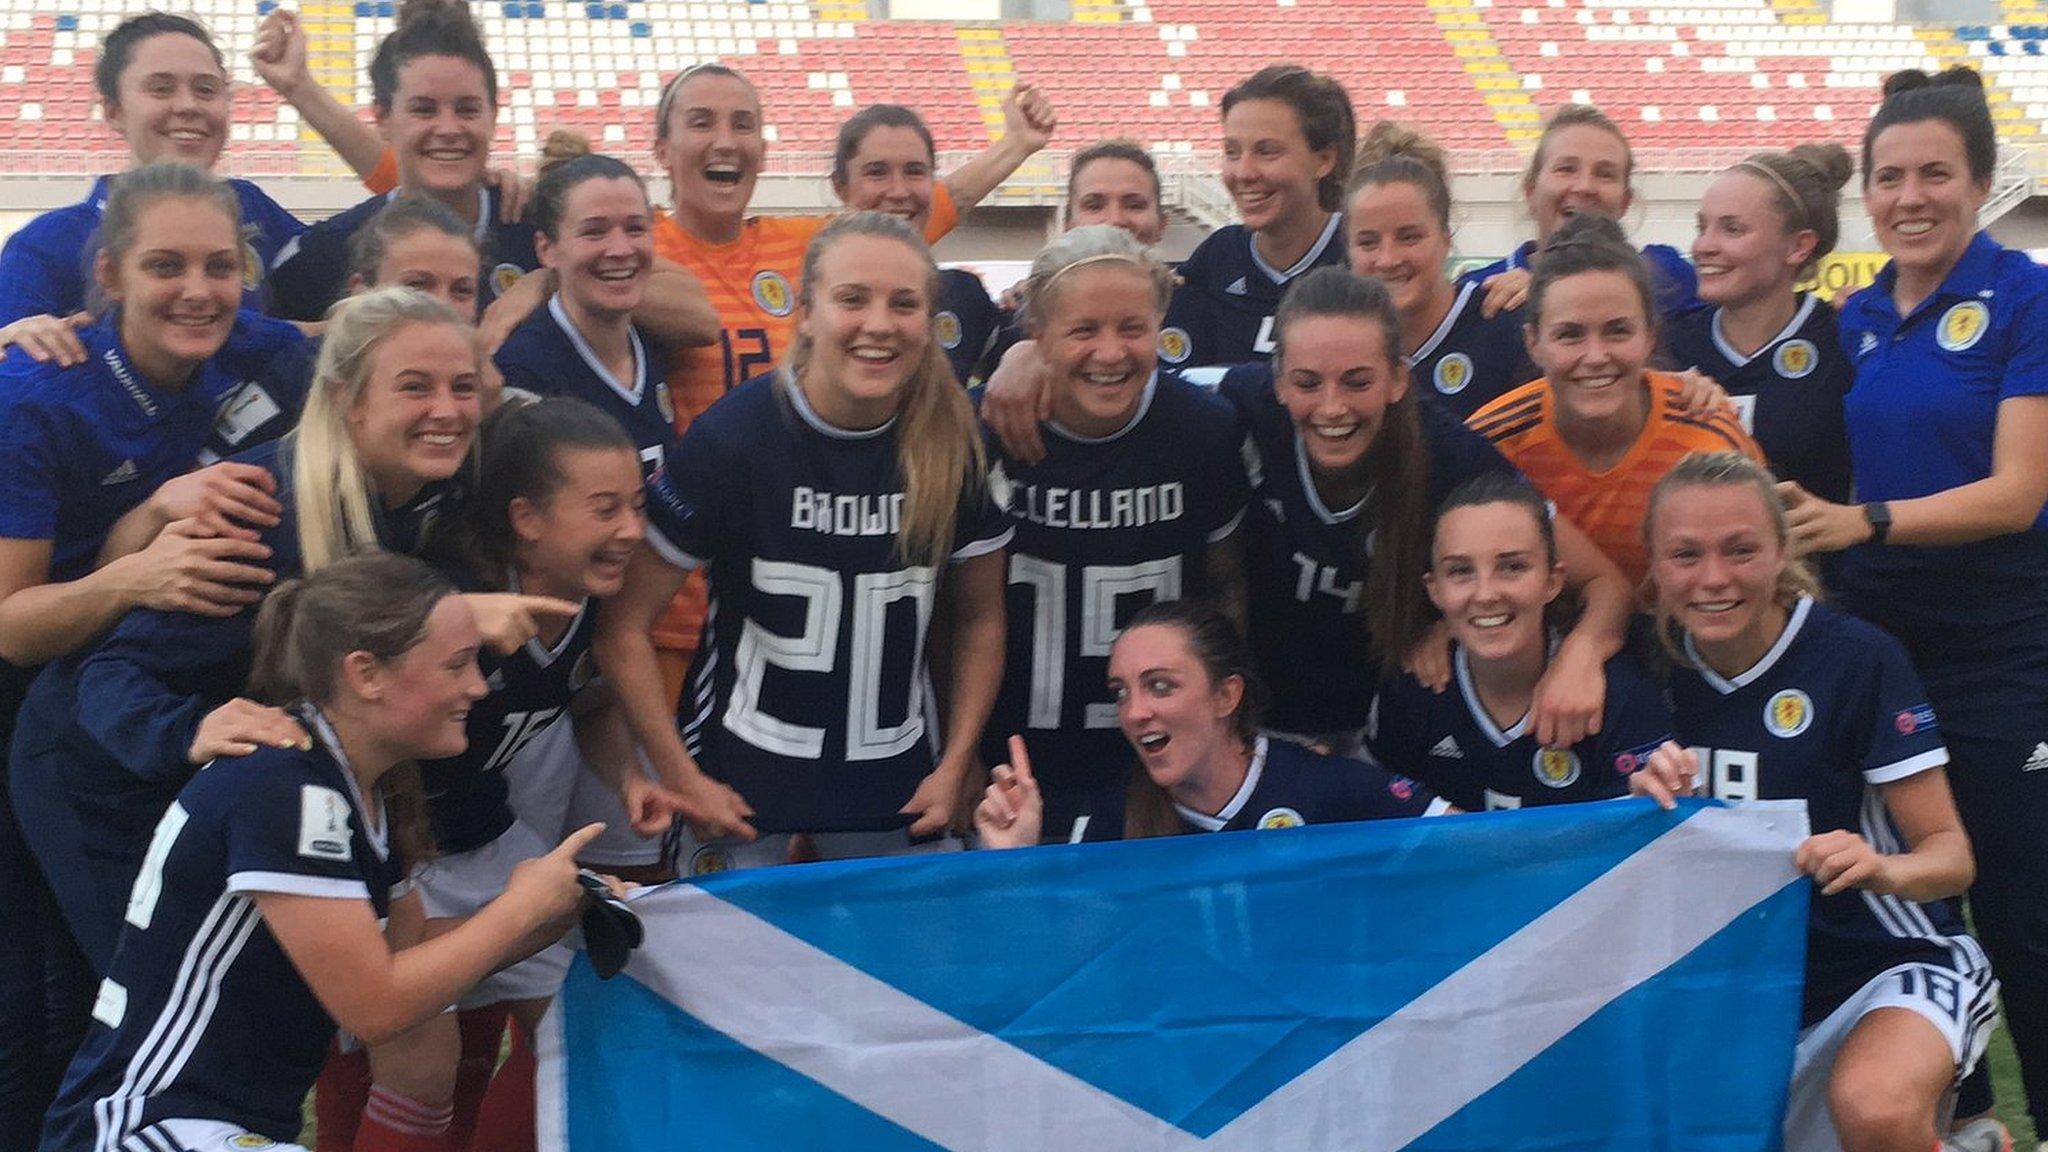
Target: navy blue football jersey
(547,356)
(311,273)
(1289,786)
(1672,277)
(1789,394)
(468,800)
(46,267)
(1833,711)
(1305,564)
(1222,311)
(1104,527)
(966,322)
(84,445)
(1449,742)
(1470,360)
(809,694)
(202,1015)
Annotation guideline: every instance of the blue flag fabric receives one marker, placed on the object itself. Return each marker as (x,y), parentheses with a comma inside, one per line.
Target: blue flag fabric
(1603,976)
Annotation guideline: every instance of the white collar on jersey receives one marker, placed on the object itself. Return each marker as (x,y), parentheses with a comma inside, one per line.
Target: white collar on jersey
(1315,498)
(629,395)
(544,656)
(1799,318)
(1444,329)
(1500,737)
(1308,259)
(1144,406)
(378,835)
(811,417)
(1216,823)
(1727,687)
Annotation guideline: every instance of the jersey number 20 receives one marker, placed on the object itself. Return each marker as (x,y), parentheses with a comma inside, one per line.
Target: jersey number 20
(816,650)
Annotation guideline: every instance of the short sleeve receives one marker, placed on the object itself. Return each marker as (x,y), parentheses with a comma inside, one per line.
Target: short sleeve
(1223,461)
(944,213)
(384,177)
(1637,722)
(290,835)
(1391,725)
(31,485)
(2026,362)
(981,526)
(1456,452)
(685,498)
(1901,737)
(304,278)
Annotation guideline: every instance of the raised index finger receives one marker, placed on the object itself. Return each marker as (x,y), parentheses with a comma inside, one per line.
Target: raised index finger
(1020,760)
(547,605)
(578,840)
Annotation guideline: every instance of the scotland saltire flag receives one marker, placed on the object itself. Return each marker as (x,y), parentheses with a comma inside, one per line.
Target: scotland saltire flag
(1603,976)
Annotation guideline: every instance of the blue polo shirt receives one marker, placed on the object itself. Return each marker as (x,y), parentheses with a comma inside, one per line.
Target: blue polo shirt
(1922,416)
(1671,275)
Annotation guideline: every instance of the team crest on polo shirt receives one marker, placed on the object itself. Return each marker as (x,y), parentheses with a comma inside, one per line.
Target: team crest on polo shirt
(664,402)
(772,293)
(1788,713)
(1281,818)
(946,326)
(1795,359)
(504,276)
(252,262)
(1174,345)
(1556,767)
(1962,326)
(1453,372)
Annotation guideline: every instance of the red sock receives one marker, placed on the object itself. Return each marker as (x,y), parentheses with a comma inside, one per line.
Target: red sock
(505,1122)
(338,1098)
(483,1032)
(394,1123)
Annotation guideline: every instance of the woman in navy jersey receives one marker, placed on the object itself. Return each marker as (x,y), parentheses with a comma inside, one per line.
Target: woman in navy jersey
(595,238)
(1138,499)
(421,244)
(99,513)
(1582,163)
(1188,701)
(1764,225)
(1397,228)
(835,502)
(287,868)
(885,161)
(1495,577)
(1948,434)
(1288,135)
(1348,464)
(165,90)
(1780,697)
(435,92)
(557,514)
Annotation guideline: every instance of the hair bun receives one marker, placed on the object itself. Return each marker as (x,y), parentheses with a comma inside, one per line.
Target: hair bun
(1959,76)
(562,146)
(1905,80)
(1831,160)
(420,11)
(1588,228)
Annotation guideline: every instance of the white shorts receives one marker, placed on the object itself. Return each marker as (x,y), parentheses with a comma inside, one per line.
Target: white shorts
(543,776)
(1959,999)
(618,846)
(695,858)
(458,885)
(200,1136)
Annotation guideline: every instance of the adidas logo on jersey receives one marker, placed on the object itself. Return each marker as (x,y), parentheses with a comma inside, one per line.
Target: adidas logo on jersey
(2038,760)
(1448,748)
(122,475)
(1238,287)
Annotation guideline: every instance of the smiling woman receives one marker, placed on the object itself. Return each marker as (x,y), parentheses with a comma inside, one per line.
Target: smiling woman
(435,98)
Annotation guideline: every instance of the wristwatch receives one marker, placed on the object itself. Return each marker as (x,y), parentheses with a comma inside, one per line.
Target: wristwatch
(1879,515)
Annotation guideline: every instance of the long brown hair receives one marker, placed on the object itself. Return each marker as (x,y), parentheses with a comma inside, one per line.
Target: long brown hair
(376,603)
(939,451)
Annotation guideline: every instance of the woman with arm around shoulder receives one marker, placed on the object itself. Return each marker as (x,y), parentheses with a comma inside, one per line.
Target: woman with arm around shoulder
(1139,498)
(848,486)
(1600,428)
(1494,575)
(1948,432)
(280,866)
(1188,700)
(1778,696)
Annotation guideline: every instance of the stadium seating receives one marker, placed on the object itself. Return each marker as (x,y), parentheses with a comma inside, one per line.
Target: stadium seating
(1478,74)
